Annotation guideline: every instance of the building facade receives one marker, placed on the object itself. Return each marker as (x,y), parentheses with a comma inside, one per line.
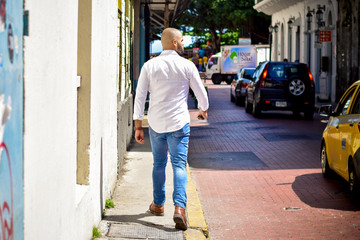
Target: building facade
(68,71)
(348,45)
(66,92)
(305,31)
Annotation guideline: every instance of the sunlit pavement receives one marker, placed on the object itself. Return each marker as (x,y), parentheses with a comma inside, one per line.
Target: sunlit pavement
(260,178)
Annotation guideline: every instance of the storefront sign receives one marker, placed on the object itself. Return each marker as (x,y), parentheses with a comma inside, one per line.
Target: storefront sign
(325,36)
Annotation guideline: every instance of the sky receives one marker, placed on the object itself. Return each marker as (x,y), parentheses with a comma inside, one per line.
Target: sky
(155,46)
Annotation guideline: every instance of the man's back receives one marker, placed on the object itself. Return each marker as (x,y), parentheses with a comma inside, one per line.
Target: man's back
(168,78)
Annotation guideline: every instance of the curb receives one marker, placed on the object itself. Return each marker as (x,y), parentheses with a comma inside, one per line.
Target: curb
(198,228)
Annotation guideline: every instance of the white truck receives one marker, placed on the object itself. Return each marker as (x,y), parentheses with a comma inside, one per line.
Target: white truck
(225,65)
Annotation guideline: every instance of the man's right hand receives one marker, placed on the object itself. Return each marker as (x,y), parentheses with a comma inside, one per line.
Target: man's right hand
(139,136)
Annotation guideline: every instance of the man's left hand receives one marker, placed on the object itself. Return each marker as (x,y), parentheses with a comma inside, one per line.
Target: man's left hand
(202,115)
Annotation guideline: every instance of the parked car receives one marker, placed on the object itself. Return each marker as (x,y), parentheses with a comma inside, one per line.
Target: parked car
(340,145)
(281,86)
(239,85)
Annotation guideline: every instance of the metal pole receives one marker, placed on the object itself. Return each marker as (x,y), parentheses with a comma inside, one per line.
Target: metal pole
(270,41)
(309,54)
(147,31)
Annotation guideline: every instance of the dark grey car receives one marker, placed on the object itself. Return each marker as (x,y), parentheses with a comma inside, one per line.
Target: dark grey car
(281,86)
(239,85)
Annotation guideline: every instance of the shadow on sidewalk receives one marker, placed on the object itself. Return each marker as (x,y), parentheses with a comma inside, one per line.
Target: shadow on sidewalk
(132,227)
(136,147)
(139,219)
(317,192)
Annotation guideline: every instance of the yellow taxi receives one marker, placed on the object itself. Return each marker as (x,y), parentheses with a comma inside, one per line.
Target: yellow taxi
(340,147)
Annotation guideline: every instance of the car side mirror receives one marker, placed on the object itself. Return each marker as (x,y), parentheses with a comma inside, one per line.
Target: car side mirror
(326,110)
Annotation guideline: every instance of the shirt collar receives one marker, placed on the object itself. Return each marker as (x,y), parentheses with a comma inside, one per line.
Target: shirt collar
(168,52)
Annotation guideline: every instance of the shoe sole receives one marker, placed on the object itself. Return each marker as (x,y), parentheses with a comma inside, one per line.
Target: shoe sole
(180,222)
(155,213)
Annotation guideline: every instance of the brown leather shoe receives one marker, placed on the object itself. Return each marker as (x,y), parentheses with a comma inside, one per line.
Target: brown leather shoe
(180,218)
(156,210)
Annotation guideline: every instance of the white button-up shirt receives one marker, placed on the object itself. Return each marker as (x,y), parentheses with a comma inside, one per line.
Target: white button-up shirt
(167,78)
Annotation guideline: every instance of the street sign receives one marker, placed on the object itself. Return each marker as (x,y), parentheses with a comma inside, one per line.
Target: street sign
(325,36)
(318,45)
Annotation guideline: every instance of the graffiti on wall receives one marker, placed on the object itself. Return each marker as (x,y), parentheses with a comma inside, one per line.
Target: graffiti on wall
(11,120)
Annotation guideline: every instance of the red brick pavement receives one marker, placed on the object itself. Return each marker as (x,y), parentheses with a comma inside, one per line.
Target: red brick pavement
(287,198)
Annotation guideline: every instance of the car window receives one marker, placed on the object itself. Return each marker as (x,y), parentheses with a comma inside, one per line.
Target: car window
(213,61)
(285,70)
(255,74)
(241,73)
(248,73)
(356,108)
(276,71)
(345,103)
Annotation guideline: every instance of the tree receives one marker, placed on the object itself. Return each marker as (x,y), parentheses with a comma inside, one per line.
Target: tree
(218,17)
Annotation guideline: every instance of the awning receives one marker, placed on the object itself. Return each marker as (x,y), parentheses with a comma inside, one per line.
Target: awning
(163,13)
(270,7)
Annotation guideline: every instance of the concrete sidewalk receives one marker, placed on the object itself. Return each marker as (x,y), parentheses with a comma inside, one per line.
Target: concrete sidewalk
(129,218)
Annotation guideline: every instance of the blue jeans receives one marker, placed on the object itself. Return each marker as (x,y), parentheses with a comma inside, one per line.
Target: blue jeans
(177,144)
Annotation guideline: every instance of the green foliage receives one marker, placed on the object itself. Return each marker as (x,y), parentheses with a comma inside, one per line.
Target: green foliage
(95,232)
(224,21)
(109,203)
(230,38)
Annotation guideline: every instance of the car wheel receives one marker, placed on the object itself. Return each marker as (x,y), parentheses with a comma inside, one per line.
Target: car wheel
(238,101)
(248,107)
(296,87)
(354,187)
(232,98)
(325,168)
(256,111)
(296,113)
(216,79)
(229,81)
(309,114)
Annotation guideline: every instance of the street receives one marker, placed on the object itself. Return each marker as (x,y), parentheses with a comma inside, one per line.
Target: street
(260,178)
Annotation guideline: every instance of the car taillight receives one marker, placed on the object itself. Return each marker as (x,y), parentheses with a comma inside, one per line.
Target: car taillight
(311,77)
(243,85)
(263,77)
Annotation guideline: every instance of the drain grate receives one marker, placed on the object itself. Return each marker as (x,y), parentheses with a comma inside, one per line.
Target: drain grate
(139,231)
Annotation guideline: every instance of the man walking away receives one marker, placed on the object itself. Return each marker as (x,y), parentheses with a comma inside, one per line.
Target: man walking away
(167,78)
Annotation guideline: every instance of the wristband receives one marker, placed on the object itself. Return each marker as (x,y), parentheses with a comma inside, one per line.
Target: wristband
(138,128)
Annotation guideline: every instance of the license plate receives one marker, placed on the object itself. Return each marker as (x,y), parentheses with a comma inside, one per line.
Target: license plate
(281,104)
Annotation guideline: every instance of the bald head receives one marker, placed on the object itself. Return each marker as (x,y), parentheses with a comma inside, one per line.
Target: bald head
(170,38)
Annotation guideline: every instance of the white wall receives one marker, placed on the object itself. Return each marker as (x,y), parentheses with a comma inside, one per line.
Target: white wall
(55,207)
(299,11)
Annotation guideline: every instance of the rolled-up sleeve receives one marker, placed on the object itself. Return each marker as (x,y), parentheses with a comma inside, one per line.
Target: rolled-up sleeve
(198,88)
(141,94)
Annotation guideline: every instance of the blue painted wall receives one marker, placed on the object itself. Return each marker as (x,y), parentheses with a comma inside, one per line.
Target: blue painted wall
(11,120)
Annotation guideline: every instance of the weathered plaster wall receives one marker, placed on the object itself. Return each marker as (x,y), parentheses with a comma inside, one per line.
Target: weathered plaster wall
(55,206)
